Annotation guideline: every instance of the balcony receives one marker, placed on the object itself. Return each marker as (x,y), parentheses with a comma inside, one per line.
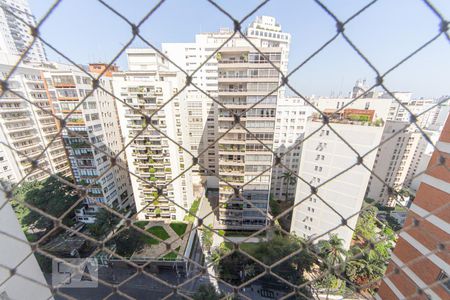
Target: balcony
(64,84)
(247,78)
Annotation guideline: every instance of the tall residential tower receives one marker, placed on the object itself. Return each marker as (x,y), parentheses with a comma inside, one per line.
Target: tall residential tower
(91,134)
(15,35)
(153,123)
(27,127)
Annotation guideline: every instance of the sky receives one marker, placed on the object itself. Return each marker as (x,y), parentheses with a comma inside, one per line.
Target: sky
(86,31)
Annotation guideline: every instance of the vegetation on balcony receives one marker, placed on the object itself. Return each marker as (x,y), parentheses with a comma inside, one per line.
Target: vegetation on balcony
(158,211)
(378,122)
(80,145)
(360,118)
(192,211)
(152,170)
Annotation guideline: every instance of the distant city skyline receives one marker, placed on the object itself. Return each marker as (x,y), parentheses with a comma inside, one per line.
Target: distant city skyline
(335,69)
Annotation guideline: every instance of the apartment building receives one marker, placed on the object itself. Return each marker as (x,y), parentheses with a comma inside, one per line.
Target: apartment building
(201,109)
(91,132)
(268,31)
(419,266)
(290,125)
(398,159)
(15,35)
(324,156)
(247,82)
(413,180)
(26,129)
(155,159)
(395,162)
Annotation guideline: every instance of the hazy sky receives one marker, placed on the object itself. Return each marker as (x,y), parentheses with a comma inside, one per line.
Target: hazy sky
(86,31)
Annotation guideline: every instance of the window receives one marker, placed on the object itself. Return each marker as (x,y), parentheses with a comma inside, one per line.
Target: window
(443,277)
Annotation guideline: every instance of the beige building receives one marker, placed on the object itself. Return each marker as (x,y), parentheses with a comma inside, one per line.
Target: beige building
(247,79)
(91,134)
(26,129)
(155,159)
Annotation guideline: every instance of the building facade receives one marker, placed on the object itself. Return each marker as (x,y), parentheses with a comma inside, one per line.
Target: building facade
(27,127)
(392,163)
(398,159)
(15,35)
(420,261)
(290,126)
(155,159)
(201,109)
(91,134)
(324,156)
(247,83)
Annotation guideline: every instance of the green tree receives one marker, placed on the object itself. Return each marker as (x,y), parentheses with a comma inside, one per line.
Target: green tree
(288,179)
(365,229)
(393,223)
(237,268)
(332,255)
(274,206)
(207,238)
(50,195)
(207,292)
(105,222)
(332,251)
(368,257)
(128,241)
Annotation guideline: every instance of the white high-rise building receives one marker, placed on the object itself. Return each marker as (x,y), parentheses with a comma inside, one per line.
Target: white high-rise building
(247,83)
(26,129)
(397,160)
(201,109)
(158,160)
(325,155)
(268,31)
(290,126)
(390,163)
(15,35)
(95,120)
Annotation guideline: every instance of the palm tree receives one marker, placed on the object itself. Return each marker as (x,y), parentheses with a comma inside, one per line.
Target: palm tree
(332,251)
(288,179)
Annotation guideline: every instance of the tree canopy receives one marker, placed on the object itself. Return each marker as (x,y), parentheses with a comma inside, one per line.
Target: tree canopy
(49,195)
(105,222)
(207,292)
